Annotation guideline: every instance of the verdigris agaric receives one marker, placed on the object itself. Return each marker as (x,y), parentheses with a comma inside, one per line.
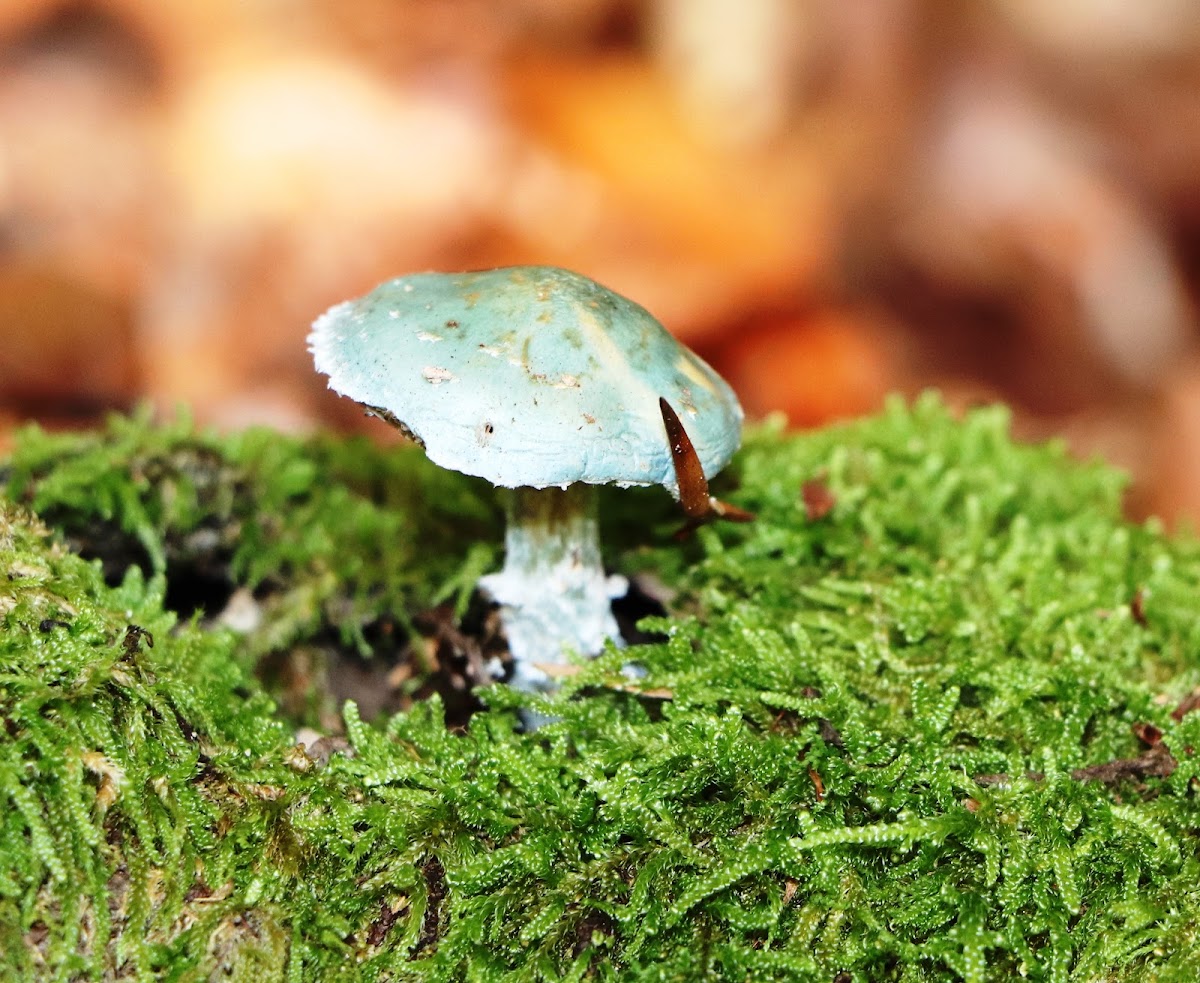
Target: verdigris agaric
(544,382)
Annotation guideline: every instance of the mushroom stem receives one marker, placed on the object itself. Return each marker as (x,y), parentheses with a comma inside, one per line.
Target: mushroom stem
(553,593)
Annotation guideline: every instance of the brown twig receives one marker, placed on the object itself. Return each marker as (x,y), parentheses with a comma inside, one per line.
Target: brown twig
(1155,762)
(698,505)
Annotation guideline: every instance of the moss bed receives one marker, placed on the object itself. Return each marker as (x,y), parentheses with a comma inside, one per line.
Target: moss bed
(927,718)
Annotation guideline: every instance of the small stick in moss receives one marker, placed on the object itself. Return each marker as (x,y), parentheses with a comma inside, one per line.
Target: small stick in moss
(134,636)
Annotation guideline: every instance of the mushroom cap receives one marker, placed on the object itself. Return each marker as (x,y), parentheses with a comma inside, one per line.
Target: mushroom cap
(528,375)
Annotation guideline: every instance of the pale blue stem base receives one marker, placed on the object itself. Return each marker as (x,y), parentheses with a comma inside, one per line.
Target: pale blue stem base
(554,596)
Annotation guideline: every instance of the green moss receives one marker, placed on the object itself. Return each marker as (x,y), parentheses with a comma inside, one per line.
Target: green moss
(332,537)
(128,748)
(895,742)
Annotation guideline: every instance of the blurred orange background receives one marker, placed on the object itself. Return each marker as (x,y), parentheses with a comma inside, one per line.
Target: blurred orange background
(829,200)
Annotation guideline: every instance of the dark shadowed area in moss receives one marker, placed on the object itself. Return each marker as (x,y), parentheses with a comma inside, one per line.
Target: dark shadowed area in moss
(307,548)
(930,717)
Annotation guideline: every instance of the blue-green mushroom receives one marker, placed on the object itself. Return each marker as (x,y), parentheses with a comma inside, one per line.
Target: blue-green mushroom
(544,382)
